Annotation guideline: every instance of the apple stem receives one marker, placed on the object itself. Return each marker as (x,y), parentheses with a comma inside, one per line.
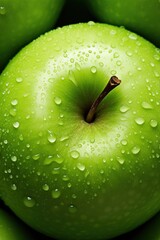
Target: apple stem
(112,83)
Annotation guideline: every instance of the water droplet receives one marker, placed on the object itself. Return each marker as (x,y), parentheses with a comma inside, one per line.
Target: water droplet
(93,69)
(146,105)
(59,159)
(21,137)
(56,170)
(57,100)
(16,124)
(91,23)
(2,10)
(119,63)
(48,160)
(156,74)
(124,109)
(14,158)
(120,160)
(153,123)
(29,202)
(116,55)
(135,150)
(51,138)
(45,187)
(72,77)
(72,209)
(65,178)
(69,185)
(14,187)
(81,166)
(129,54)
(56,193)
(133,36)
(139,121)
(36,156)
(14,102)
(64,138)
(124,142)
(13,112)
(5,141)
(19,80)
(75,154)
(77,66)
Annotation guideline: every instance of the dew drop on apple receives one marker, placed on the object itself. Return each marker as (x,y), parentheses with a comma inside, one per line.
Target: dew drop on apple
(81,166)
(56,193)
(77,66)
(124,109)
(14,102)
(72,77)
(16,124)
(2,10)
(59,159)
(139,121)
(146,105)
(116,55)
(133,36)
(56,170)
(48,160)
(156,74)
(129,54)
(51,138)
(153,123)
(93,69)
(14,187)
(57,100)
(65,178)
(45,187)
(36,156)
(12,112)
(124,142)
(19,80)
(75,154)
(72,208)
(29,202)
(5,141)
(14,158)
(120,160)
(135,150)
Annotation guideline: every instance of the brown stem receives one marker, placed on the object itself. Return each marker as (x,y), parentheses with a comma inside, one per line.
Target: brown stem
(112,83)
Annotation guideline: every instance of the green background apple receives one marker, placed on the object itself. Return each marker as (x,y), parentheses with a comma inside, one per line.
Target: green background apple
(63,176)
(140,16)
(22,21)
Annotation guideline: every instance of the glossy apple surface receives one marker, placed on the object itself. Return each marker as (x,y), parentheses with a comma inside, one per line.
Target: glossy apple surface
(63,176)
(22,21)
(140,16)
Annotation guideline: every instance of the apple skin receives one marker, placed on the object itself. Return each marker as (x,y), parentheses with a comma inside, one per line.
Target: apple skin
(64,177)
(149,230)
(22,21)
(140,16)
(11,228)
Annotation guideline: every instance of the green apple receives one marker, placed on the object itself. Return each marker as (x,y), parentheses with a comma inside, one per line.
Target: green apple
(22,21)
(68,175)
(149,230)
(11,228)
(140,16)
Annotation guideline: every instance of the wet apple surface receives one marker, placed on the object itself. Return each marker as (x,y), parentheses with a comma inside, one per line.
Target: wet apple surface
(63,176)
